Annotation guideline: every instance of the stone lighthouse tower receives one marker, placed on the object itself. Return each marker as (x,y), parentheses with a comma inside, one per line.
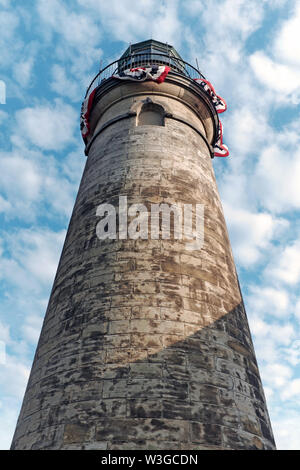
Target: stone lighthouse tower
(145,343)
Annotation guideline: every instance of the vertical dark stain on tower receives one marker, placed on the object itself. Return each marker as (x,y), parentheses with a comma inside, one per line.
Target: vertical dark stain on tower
(146,345)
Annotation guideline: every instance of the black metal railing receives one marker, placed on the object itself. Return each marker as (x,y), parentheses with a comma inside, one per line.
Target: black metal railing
(178,66)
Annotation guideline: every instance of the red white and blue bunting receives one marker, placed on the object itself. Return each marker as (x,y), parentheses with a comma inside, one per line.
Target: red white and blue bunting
(220,149)
(157,73)
(85,114)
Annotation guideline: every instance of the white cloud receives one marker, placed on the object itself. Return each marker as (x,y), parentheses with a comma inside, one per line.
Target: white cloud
(250,233)
(297,309)
(10,43)
(286,267)
(277,177)
(27,185)
(73,164)
(23,71)
(272,339)
(38,252)
(287,40)
(193,7)
(291,390)
(14,376)
(63,85)
(79,34)
(32,328)
(77,29)
(8,23)
(33,257)
(4,332)
(292,353)
(5,206)
(281,78)
(248,133)
(276,375)
(3,115)
(5,3)
(125,20)
(276,3)
(236,20)
(50,127)
(236,16)
(278,333)
(268,301)
(167,25)
(32,183)
(266,350)
(223,29)
(286,428)
(27,267)
(9,409)
(268,393)
(280,68)
(133,21)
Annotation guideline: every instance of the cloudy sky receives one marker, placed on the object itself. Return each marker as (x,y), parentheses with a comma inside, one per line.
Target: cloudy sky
(250,51)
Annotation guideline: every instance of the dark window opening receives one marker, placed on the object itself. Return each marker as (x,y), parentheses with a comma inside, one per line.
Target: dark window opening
(151,114)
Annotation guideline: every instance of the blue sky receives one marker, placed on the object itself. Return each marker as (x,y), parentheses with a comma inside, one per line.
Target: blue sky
(250,51)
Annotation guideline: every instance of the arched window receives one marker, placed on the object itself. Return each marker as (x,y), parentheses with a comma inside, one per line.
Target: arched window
(151,114)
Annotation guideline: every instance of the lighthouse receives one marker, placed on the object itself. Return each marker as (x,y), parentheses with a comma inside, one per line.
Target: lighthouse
(145,342)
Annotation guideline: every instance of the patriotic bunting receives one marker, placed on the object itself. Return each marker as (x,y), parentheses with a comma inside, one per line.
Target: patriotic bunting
(220,149)
(157,73)
(85,114)
(218,102)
